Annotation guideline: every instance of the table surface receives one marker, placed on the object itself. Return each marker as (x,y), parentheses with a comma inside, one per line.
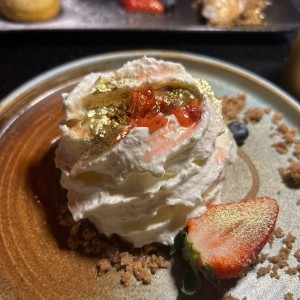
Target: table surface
(24,55)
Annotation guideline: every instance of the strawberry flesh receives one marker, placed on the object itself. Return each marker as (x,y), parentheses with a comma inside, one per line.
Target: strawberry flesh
(229,236)
(149,109)
(143,6)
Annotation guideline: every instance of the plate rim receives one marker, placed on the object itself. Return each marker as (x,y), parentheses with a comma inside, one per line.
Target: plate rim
(160,54)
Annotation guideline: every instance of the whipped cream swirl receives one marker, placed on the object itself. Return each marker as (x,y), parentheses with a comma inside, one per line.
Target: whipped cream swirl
(148,184)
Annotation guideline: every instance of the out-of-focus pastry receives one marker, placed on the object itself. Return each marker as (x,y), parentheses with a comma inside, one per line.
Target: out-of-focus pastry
(29,10)
(227,12)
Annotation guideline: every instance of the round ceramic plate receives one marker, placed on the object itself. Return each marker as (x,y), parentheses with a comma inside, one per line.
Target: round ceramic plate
(35,261)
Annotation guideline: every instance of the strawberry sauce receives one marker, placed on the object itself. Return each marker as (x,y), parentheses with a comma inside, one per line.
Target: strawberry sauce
(150,108)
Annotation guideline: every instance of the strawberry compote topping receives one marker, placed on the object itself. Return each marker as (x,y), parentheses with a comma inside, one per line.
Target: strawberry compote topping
(109,124)
(150,108)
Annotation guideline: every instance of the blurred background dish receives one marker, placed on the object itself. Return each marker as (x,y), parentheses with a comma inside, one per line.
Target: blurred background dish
(29,11)
(110,15)
(291,74)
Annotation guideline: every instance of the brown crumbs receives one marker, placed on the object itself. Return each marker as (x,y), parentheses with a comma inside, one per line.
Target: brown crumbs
(289,240)
(281,147)
(283,128)
(253,115)
(232,106)
(291,174)
(284,253)
(261,258)
(274,272)
(262,271)
(272,264)
(298,202)
(288,296)
(288,138)
(104,265)
(277,118)
(297,255)
(297,150)
(291,271)
(126,278)
(114,253)
(278,233)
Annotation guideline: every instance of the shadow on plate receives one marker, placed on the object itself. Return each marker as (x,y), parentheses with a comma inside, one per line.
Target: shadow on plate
(82,237)
(207,291)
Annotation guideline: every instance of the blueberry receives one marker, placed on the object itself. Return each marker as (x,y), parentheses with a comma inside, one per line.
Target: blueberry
(240,132)
(169,3)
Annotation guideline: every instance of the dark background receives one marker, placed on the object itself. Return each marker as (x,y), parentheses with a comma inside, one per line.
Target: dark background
(25,54)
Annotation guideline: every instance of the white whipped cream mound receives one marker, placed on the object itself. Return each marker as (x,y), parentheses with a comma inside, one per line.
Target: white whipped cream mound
(148,185)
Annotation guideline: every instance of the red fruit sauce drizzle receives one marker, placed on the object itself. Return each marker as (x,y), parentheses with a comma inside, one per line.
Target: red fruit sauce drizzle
(150,108)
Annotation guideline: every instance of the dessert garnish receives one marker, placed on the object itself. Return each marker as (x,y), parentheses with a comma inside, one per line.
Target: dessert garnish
(239,130)
(226,239)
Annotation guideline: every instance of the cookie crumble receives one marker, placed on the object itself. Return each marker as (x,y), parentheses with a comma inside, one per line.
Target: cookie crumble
(114,254)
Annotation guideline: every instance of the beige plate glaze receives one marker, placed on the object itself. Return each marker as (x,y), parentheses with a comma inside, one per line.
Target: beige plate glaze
(35,263)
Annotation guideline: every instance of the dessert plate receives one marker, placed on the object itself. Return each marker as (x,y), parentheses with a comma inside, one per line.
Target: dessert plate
(35,260)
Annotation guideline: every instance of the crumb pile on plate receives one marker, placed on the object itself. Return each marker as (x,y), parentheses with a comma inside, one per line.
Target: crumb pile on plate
(272,264)
(287,141)
(114,253)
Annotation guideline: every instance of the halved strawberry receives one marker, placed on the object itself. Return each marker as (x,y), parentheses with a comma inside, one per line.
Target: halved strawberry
(229,236)
(182,116)
(144,6)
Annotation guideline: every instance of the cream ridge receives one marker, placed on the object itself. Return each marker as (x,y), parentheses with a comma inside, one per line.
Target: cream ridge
(143,182)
